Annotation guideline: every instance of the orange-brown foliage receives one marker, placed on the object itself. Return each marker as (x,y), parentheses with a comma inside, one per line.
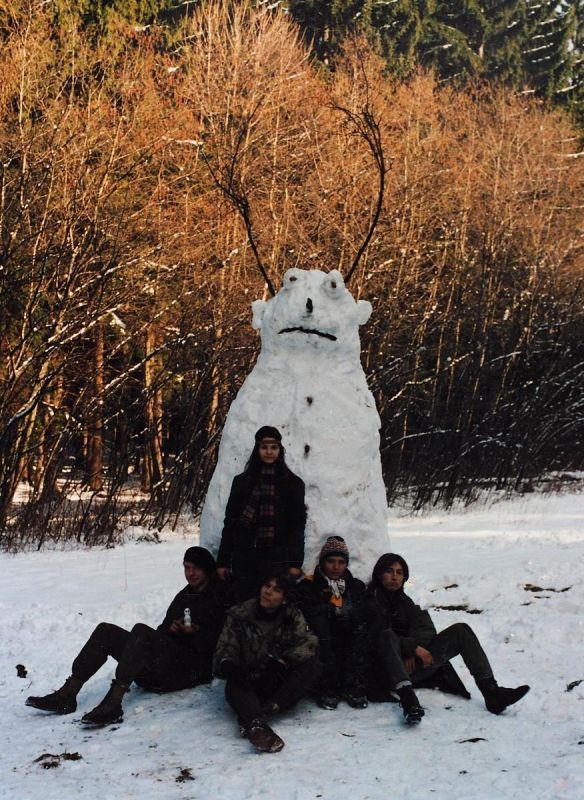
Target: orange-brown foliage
(111,213)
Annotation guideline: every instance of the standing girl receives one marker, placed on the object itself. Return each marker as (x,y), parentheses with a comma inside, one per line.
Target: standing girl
(265,517)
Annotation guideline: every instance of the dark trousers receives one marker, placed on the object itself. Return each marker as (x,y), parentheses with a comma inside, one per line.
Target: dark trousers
(456,640)
(342,655)
(144,655)
(248,701)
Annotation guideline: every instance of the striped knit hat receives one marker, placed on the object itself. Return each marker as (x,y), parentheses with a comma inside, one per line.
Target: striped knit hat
(334,546)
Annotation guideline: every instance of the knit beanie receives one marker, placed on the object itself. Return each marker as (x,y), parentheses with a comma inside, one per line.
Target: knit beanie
(385,561)
(334,546)
(202,558)
(267,432)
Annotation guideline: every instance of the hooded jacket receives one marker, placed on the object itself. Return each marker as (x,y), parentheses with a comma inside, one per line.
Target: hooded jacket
(249,638)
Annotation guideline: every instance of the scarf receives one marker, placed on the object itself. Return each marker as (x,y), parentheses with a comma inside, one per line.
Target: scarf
(337,589)
(260,511)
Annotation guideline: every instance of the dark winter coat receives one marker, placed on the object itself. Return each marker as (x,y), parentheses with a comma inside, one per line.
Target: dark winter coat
(249,639)
(397,611)
(207,613)
(341,630)
(161,659)
(237,549)
(414,627)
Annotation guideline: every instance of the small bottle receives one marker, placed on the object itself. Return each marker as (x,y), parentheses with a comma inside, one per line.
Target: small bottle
(187,618)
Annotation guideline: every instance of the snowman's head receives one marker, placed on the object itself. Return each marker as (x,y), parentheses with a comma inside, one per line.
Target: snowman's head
(313,310)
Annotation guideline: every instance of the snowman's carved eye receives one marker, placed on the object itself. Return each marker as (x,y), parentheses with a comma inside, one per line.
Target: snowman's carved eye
(291,278)
(334,285)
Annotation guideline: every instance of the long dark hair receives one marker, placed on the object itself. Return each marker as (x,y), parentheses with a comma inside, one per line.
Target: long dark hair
(254,462)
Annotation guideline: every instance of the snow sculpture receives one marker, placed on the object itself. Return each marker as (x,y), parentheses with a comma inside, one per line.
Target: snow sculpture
(308,382)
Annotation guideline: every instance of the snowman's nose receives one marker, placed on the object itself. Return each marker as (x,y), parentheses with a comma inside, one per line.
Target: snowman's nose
(309,306)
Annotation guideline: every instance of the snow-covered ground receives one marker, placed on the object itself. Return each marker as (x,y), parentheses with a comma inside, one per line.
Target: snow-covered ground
(185,745)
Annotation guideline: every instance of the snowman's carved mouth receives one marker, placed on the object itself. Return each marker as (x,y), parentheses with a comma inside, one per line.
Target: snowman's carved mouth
(310,331)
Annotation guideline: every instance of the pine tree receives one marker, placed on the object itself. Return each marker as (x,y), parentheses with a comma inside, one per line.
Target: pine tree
(548,56)
(506,35)
(325,23)
(452,36)
(397,30)
(574,98)
(97,13)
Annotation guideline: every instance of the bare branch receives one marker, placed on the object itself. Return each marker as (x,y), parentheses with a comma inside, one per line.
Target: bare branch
(368,128)
(233,190)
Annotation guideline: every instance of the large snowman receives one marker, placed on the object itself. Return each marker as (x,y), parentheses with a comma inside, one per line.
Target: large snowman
(309,383)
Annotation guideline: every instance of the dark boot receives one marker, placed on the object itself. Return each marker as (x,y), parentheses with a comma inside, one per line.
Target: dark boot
(413,711)
(355,697)
(263,737)
(497,698)
(269,709)
(328,701)
(63,701)
(109,711)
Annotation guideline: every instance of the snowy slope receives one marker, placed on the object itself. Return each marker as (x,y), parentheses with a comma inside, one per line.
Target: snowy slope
(50,601)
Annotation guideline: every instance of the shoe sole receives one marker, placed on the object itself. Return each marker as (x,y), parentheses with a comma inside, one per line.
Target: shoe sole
(274,748)
(89,723)
(51,710)
(414,717)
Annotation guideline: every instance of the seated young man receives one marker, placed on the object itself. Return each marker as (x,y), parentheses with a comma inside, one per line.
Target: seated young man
(332,601)
(267,655)
(177,655)
(407,651)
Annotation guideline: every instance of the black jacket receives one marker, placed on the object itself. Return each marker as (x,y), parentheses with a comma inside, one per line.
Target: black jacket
(397,611)
(313,595)
(237,548)
(207,611)
(341,630)
(414,627)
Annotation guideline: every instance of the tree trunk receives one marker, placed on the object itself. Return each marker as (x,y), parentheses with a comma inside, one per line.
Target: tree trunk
(95,420)
(152,462)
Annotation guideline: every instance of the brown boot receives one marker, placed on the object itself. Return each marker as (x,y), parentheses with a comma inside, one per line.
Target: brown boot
(263,737)
(63,701)
(109,711)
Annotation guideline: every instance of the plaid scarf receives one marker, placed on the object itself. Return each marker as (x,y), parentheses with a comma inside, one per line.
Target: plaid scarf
(260,511)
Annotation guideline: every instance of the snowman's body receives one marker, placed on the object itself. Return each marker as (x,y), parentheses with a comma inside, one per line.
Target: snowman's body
(309,383)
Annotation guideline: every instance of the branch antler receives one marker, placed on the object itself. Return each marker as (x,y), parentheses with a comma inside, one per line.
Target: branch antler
(230,184)
(368,128)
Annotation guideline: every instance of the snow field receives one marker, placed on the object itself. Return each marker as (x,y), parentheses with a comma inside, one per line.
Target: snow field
(186,744)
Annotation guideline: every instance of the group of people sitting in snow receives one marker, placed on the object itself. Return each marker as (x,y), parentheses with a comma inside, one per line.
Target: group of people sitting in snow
(275,635)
